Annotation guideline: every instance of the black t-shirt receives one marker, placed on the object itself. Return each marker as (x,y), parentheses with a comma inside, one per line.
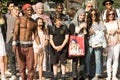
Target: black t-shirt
(59,34)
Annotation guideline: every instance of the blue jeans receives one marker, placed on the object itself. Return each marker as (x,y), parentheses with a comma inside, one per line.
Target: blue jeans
(98,52)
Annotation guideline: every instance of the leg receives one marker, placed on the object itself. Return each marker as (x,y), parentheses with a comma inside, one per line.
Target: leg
(35,60)
(30,62)
(74,67)
(88,59)
(55,69)
(12,58)
(98,53)
(2,67)
(6,63)
(21,62)
(109,61)
(44,61)
(63,68)
(115,59)
(81,71)
(41,65)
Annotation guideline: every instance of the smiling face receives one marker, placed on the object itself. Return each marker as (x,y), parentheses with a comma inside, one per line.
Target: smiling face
(110,15)
(28,11)
(39,22)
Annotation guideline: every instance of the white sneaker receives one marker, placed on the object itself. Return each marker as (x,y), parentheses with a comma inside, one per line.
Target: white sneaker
(20,78)
(108,78)
(8,73)
(114,78)
(13,77)
(3,78)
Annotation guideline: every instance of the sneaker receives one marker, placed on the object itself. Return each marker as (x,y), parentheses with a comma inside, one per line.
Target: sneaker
(20,78)
(3,78)
(108,78)
(13,77)
(55,77)
(95,78)
(114,78)
(8,73)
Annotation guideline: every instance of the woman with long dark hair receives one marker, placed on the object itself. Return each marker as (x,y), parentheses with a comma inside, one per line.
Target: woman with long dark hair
(96,40)
(39,56)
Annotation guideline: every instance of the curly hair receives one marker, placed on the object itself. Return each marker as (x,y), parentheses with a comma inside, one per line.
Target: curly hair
(89,17)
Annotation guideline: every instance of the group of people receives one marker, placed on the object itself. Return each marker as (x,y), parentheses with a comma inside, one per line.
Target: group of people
(30,35)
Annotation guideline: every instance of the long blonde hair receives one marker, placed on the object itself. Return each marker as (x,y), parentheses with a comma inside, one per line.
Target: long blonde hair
(2,21)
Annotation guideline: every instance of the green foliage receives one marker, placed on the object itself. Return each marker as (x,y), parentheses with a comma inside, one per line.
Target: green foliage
(101,7)
(4,8)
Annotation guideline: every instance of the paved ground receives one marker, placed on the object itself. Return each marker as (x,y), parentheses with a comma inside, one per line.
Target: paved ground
(48,75)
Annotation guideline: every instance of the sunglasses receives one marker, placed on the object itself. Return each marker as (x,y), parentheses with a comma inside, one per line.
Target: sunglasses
(112,14)
(108,3)
(89,6)
(94,14)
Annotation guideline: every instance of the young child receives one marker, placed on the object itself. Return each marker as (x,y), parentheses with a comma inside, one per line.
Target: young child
(59,36)
(39,56)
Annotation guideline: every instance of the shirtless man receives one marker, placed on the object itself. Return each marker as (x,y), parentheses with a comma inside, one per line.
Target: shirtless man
(24,29)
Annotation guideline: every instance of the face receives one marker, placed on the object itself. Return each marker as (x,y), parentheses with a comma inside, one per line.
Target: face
(40,10)
(108,5)
(111,15)
(59,9)
(40,22)
(81,17)
(93,15)
(58,22)
(89,6)
(16,11)
(28,11)
(11,6)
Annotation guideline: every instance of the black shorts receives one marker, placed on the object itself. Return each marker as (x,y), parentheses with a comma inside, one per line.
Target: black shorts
(59,56)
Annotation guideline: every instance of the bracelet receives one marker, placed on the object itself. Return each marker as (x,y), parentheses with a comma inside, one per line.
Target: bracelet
(14,43)
(40,46)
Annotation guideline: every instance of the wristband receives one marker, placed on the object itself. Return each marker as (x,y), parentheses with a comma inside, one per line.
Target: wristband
(40,46)
(14,43)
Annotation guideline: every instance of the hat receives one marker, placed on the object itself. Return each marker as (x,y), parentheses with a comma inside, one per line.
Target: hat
(25,6)
(39,5)
(108,1)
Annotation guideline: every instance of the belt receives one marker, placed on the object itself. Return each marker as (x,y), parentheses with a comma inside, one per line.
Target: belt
(25,45)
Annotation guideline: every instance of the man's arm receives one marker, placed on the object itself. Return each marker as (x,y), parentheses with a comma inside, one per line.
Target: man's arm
(15,34)
(16,29)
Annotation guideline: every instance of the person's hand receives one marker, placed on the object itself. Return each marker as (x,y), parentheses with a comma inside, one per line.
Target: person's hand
(111,32)
(91,31)
(59,48)
(14,48)
(40,50)
(45,42)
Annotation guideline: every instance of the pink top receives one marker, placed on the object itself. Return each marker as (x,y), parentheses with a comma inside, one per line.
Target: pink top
(43,37)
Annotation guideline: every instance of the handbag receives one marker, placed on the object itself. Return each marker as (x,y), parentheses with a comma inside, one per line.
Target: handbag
(76,46)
